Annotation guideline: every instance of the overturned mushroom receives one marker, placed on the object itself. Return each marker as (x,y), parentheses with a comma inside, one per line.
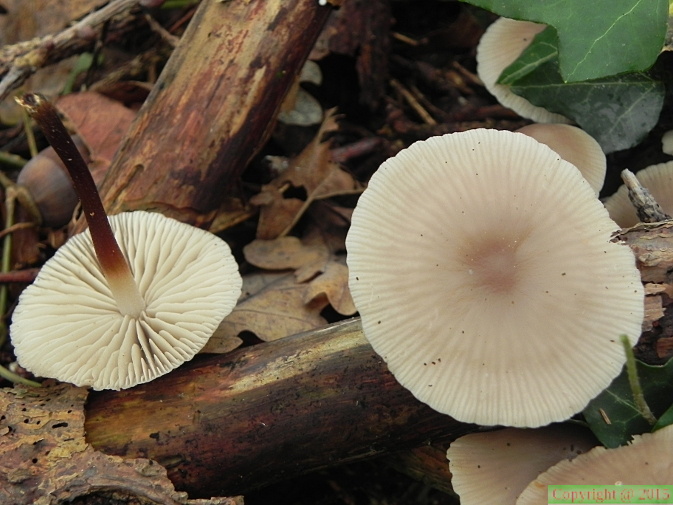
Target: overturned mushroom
(128,300)
(484,272)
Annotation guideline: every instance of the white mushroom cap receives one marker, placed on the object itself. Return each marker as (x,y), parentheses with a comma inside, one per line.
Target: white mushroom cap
(667,143)
(67,325)
(502,43)
(483,270)
(493,468)
(658,179)
(647,460)
(575,146)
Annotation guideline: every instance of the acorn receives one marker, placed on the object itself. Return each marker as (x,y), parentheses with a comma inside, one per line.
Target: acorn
(49,184)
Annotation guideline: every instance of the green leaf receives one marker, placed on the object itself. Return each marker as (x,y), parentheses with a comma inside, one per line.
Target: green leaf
(596,38)
(616,404)
(541,50)
(617,111)
(666,419)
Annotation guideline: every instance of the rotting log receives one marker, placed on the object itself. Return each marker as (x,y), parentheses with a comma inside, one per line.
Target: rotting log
(214,105)
(227,424)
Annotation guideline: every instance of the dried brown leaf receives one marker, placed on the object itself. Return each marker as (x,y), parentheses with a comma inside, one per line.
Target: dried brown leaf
(101,123)
(288,252)
(332,284)
(274,308)
(313,170)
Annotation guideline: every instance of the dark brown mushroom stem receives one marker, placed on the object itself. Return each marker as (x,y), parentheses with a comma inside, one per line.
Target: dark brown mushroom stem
(112,261)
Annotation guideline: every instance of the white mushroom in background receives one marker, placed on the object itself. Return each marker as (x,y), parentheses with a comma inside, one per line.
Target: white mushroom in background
(667,142)
(658,180)
(130,299)
(647,460)
(575,146)
(502,43)
(484,272)
(493,468)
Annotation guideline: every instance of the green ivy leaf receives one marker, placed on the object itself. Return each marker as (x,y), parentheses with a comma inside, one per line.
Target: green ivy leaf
(596,38)
(666,419)
(618,111)
(542,49)
(618,406)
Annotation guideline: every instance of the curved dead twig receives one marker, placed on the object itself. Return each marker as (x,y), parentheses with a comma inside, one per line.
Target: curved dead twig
(19,61)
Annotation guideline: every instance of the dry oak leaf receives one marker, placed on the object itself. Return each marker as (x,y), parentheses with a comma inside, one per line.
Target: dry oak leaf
(272,307)
(333,285)
(44,459)
(101,123)
(288,253)
(328,274)
(314,171)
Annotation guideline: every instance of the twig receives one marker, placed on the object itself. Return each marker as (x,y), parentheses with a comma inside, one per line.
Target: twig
(647,208)
(19,61)
(413,102)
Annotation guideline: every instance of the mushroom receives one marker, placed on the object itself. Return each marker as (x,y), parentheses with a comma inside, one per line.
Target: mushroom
(493,468)
(667,143)
(128,300)
(658,179)
(647,460)
(575,146)
(502,43)
(485,276)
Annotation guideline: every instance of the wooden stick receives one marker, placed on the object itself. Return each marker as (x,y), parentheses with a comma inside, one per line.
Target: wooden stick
(21,60)
(212,108)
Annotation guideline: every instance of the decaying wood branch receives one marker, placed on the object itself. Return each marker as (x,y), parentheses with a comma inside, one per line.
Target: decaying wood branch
(21,60)
(230,423)
(213,107)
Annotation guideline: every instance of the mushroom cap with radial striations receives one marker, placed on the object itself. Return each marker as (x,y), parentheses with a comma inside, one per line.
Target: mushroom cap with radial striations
(646,460)
(575,146)
(483,269)
(658,179)
(493,468)
(67,325)
(502,43)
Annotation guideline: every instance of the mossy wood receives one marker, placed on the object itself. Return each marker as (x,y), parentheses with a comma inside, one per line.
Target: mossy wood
(212,108)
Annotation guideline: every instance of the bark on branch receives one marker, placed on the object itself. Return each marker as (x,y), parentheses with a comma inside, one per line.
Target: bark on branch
(21,60)
(213,107)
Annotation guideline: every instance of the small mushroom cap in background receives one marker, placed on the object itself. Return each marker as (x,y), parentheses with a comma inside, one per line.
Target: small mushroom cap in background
(484,272)
(502,43)
(658,179)
(647,460)
(67,325)
(493,468)
(667,143)
(575,146)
